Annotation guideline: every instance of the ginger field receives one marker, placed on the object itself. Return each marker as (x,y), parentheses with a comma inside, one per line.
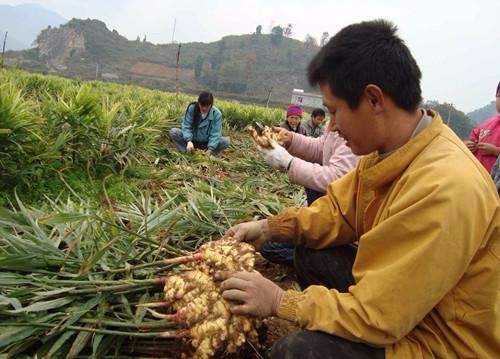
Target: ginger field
(98,210)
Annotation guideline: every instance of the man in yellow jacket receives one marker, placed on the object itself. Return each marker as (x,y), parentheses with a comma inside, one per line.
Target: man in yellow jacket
(424,280)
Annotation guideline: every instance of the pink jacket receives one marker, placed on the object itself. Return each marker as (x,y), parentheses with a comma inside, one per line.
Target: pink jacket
(319,161)
(488,132)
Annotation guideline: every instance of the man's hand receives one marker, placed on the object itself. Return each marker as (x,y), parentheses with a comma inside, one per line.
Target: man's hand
(255,233)
(471,145)
(287,141)
(488,149)
(208,153)
(277,156)
(190,147)
(250,293)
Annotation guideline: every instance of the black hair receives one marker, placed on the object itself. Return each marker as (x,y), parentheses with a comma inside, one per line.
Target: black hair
(318,112)
(366,53)
(498,90)
(205,98)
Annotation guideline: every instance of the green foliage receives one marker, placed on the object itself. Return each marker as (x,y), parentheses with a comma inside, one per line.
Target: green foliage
(454,118)
(60,134)
(18,133)
(277,35)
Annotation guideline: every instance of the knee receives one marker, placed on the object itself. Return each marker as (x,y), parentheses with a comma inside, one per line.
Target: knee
(225,141)
(175,132)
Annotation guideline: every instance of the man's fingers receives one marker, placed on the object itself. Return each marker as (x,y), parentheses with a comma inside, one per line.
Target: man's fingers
(223,275)
(231,232)
(247,276)
(241,309)
(235,295)
(234,281)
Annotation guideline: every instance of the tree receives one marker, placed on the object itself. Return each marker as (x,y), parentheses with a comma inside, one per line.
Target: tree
(138,39)
(452,117)
(324,39)
(277,35)
(198,66)
(287,32)
(311,42)
(144,39)
(258,30)
(251,61)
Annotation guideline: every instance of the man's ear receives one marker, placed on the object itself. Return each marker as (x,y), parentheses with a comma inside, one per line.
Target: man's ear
(375,97)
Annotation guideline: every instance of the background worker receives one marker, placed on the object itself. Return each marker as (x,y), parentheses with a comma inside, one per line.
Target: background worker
(201,128)
(313,127)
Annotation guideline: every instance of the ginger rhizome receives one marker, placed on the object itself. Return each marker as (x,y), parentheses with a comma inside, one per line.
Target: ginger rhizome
(197,302)
(267,134)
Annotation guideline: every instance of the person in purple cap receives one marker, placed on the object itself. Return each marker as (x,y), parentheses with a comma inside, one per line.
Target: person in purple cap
(293,117)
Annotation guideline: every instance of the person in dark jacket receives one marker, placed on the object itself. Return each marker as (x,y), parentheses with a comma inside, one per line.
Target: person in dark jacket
(313,127)
(201,128)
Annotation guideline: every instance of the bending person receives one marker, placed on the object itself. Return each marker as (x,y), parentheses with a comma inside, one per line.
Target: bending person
(313,163)
(201,128)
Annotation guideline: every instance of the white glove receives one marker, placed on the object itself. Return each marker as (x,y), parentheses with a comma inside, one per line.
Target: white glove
(277,156)
(190,147)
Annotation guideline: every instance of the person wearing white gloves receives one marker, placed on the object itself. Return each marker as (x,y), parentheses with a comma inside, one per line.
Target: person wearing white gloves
(311,162)
(201,128)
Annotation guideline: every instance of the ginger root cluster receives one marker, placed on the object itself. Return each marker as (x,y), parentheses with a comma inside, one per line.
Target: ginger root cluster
(198,304)
(263,140)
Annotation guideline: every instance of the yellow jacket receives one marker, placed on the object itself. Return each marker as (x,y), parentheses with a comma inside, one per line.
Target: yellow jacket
(427,270)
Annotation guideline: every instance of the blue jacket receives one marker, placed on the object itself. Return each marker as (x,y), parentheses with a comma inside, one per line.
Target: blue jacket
(209,128)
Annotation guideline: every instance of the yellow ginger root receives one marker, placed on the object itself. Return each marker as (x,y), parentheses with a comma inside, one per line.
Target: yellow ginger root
(267,133)
(198,302)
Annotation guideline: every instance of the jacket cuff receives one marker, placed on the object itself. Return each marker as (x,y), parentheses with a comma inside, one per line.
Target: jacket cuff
(281,230)
(288,305)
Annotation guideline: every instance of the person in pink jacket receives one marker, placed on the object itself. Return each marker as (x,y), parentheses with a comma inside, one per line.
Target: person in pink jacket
(312,163)
(485,139)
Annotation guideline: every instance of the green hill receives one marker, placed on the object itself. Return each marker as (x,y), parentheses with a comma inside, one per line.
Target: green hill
(482,114)
(242,67)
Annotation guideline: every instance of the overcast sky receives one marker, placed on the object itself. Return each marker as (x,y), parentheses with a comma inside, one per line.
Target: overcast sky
(456,43)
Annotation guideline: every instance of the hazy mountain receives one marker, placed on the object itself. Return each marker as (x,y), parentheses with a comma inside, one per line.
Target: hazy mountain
(482,114)
(24,23)
(245,67)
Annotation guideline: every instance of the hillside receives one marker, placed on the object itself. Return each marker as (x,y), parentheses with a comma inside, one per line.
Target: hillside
(24,23)
(242,67)
(482,114)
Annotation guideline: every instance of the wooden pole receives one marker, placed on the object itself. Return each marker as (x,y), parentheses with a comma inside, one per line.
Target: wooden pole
(177,71)
(3,48)
(173,32)
(269,96)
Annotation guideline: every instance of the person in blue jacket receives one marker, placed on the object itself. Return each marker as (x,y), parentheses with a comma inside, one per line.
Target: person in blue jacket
(201,128)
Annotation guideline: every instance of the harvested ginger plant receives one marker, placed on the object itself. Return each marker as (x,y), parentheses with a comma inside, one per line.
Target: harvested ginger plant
(195,297)
(263,140)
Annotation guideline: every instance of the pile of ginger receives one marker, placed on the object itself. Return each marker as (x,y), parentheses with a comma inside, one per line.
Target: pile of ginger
(196,298)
